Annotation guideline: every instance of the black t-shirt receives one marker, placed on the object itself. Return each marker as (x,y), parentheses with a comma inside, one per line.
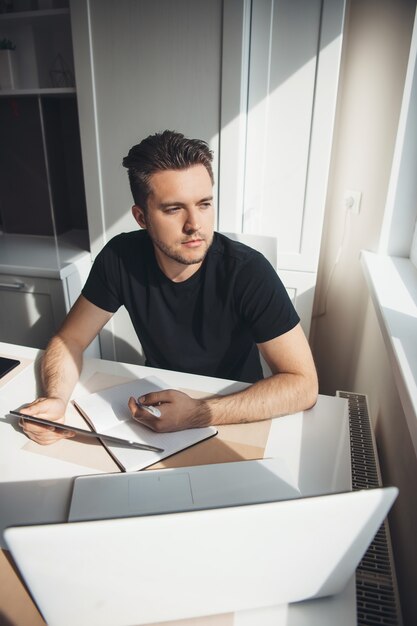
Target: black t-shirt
(208,324)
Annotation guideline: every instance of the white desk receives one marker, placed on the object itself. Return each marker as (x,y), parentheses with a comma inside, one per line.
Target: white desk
(314,446)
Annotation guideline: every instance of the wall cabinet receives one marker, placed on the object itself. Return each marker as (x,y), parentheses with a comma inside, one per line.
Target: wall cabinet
(37,287)
(30,308)
(42,58)
(44,244)
(41,187)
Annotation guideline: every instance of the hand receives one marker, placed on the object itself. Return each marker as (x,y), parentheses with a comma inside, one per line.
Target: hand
(178,411)
(48,408)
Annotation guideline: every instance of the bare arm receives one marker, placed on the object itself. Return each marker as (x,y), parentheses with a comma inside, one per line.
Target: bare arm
(61,367)
(292,387)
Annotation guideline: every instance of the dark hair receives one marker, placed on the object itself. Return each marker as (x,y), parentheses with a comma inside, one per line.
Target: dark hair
(167,150)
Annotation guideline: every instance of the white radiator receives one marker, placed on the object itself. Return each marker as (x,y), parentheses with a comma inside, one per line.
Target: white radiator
(376,586)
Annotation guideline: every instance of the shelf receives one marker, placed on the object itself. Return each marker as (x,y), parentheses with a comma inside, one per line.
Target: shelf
(31,255)
(28,16)
(38,91)
(43,58)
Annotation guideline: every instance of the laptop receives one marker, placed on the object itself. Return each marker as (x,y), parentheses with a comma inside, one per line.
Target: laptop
(152,568)
(181,489)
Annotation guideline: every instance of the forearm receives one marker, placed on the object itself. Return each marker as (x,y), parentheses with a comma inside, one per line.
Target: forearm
(61,367)
(278,395)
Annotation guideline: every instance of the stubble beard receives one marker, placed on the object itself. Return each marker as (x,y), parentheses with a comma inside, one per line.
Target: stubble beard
(177,256)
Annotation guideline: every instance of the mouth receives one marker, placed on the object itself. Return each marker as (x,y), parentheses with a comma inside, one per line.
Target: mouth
(193,243)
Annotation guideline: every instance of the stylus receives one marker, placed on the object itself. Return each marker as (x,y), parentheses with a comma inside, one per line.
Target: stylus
(87,433)
(151,409)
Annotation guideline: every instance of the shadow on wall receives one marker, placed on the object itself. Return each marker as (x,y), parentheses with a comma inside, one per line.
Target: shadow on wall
(303,302)
(195,79)
(125,352)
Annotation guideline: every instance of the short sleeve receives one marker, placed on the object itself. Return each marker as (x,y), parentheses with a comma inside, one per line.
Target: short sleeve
(263,301)
(102,287)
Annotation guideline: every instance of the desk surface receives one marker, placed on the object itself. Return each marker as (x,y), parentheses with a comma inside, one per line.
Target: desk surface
(314,446)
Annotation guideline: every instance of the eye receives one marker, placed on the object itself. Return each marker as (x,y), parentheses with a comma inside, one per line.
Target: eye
(205,205)
(172,209)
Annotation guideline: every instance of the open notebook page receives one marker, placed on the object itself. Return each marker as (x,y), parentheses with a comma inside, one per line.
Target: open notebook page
(107,412)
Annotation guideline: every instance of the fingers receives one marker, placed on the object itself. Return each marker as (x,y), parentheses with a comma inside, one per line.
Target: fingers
(141,415)
(46,408)
(34,408)
(44,435)
(155,398)
(149,403)
(177,411)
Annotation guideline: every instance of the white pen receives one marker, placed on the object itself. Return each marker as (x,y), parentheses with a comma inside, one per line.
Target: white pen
(151,409)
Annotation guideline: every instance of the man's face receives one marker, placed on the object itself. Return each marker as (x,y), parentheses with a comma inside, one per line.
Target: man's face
(179,219)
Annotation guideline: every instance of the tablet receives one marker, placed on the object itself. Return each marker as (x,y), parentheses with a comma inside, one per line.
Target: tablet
(6,365)
(86,433)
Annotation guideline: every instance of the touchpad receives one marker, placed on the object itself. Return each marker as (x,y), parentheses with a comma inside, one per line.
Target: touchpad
(159,493)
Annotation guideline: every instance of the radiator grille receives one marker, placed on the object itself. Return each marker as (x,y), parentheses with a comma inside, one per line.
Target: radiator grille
(376,589)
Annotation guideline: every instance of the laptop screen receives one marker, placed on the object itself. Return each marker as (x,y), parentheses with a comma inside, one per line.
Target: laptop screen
(148,569)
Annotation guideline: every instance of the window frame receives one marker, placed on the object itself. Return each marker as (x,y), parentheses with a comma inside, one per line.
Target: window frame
(391,274)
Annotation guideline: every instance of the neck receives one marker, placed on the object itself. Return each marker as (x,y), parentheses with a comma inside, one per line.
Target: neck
(175,271)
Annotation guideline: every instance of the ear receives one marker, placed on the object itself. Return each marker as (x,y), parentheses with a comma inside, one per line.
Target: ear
(139,215)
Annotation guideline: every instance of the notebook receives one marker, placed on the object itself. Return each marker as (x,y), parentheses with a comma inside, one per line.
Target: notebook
(107,412)
(143,570)
(180,489)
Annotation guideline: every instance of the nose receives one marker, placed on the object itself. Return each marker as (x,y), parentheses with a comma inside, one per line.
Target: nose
(192,222)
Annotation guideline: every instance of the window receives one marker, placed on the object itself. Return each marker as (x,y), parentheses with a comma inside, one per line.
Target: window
(392,274)
(401,206)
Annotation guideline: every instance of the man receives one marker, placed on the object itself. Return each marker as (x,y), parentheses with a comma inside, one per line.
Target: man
(199,303)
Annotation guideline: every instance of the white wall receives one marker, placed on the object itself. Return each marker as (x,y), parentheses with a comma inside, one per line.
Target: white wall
(162,70)
(345,338)
(171,68)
